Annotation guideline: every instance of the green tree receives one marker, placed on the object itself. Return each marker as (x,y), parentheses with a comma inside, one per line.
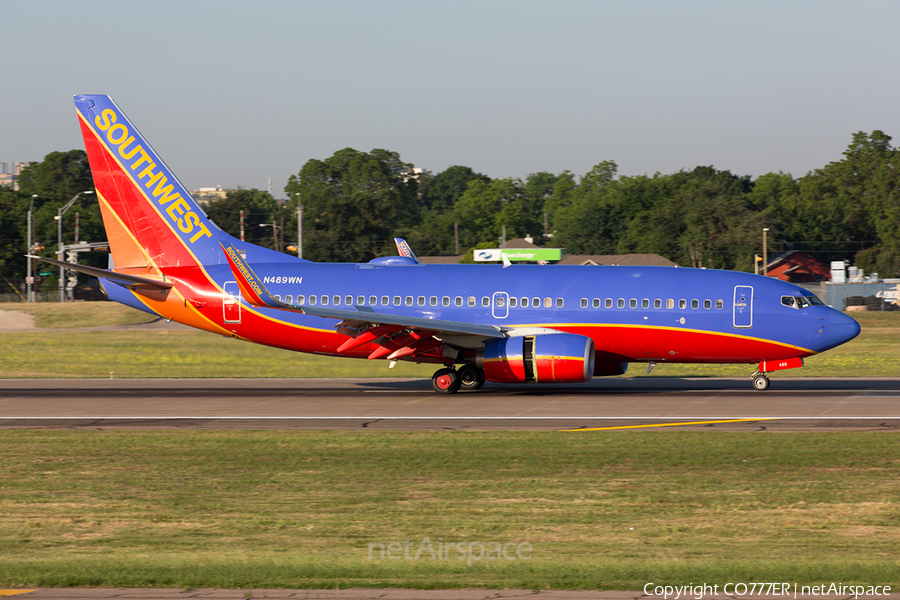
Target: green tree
(354,204)
(259,207)
(441,192)
(56,180)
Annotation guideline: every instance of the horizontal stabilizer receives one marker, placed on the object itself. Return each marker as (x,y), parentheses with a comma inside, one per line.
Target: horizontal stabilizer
(120,278)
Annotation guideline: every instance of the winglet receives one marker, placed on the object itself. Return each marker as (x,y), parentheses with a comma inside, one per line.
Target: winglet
(252,289)
(403,249)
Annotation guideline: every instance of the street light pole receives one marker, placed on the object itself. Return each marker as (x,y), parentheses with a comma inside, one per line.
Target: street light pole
(59,243)
(274,225)
(765,254)
(29,281)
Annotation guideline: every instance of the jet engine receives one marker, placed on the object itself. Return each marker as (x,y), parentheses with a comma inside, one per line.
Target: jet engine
(544,358)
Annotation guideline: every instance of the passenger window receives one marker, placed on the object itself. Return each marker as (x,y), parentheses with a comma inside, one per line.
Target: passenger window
(409,301)
(670,303)
(707,304)
(301,300)
(548,302)
(512,302)
(458,301)
(501,302)
(396,300)
(312,300)
(348,300)
(360,300)
(278,297)
(645,303)
(336,300)
(471,300)
(595,303)
(682,303)
(584,303)
(324,300)
(620,303)
(524,303)
(695,304)
(559,303)
(485,301)
(289,299)
(657,303)
(445,300)
(609,303)
(373,300)
(632,303)
(420,300)
(432,301)
(719,304)
(384,300)
(535,302)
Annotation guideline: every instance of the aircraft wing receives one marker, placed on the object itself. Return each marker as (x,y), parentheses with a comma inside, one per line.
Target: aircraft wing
(399,335)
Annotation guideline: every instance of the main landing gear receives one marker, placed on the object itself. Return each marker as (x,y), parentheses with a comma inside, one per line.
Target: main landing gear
(450,381)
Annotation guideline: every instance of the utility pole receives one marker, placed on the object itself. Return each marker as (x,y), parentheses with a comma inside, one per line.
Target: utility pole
(60,250)
(765,254)
(29,279)
(242,226)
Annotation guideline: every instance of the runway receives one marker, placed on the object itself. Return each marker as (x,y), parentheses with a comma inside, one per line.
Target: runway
(651,403)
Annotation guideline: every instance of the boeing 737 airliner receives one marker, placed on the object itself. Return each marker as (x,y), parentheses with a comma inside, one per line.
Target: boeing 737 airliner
(506,324)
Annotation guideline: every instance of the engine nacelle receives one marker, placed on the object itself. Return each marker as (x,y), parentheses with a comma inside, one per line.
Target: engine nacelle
(544,358)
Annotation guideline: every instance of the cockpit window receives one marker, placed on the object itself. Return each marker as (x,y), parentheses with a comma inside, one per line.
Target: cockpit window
(799,302)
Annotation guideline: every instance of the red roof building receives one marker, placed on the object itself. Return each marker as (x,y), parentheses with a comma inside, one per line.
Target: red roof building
(798,267)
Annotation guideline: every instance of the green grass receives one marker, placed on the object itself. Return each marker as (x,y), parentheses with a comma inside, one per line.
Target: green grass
(67,347)
(73,315)
(609,510)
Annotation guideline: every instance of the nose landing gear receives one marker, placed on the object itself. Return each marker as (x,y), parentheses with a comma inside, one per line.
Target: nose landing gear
(760,382)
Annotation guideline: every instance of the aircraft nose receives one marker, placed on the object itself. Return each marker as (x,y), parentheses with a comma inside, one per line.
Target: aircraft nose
(843,328)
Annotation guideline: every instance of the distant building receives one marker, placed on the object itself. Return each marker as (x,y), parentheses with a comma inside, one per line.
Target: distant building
(205,194)
(9,173)
(797,267)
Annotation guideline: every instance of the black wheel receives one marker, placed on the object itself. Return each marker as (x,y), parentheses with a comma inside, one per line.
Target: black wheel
(445,381)
(471,377)
(760,382)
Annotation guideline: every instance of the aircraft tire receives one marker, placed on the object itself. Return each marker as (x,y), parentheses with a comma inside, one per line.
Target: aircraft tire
(760,382)
(471,377)
(445,381)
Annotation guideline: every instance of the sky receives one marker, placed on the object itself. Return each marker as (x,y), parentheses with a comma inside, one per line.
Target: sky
(232,93)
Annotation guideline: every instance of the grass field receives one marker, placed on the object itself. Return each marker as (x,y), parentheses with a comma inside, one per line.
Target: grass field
(67,346)
(609,510)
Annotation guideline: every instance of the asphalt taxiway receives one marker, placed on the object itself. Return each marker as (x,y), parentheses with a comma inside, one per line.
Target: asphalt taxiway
(404,404)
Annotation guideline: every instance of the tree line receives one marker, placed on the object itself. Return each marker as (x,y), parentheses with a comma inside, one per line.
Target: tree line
(355,202)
